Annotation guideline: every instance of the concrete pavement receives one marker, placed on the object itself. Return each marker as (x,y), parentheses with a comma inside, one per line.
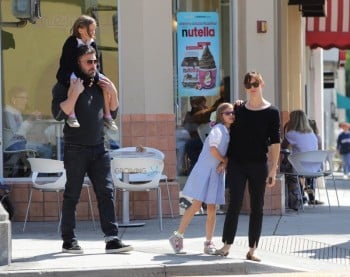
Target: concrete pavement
(314,242)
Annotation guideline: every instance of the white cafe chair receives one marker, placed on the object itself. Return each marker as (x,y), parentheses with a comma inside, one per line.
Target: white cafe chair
(143,174)
(313,164)
(159,155)
(203,131)
(41,165)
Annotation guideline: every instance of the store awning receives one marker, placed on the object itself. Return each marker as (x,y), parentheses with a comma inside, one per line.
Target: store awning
(332,30)
(343,102)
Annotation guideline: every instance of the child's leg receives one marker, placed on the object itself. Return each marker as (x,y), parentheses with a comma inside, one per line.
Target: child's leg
(209,247)
(211,221)
(188,215)
(72,119)
(107,113)
(109,122)
(176,240)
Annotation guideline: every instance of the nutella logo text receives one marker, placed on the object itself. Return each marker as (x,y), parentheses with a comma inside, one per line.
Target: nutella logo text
(198,32)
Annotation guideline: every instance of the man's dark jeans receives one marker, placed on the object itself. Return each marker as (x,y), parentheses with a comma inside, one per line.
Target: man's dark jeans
(94,161)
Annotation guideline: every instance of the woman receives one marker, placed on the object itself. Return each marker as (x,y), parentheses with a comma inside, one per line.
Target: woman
(253,154)
(301,137)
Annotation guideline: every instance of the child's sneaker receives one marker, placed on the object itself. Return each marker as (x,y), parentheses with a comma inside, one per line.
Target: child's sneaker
(109,123)
(209,248)
(73,122)
(176,242)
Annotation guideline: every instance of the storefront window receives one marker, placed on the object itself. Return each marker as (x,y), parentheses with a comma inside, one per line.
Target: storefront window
(30,58)
(202,75)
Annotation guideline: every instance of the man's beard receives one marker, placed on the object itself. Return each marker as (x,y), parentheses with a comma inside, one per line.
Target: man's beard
(88,79)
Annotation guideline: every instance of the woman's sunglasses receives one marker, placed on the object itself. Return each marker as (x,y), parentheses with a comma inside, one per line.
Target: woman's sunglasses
(249,85)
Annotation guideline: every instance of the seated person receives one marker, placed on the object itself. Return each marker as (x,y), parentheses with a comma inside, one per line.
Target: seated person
(300,137)
(187,137)
(191,122)
(16,125)
(199,114)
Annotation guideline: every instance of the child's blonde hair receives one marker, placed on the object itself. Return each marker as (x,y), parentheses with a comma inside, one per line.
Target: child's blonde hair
(220,109)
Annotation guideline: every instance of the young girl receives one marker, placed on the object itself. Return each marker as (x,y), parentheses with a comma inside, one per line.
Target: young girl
(83,33)
(206,181)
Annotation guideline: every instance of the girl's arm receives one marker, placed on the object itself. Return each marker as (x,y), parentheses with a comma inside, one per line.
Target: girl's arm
(215,152)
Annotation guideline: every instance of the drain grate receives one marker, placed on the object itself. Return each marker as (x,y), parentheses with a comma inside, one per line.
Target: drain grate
(302,247)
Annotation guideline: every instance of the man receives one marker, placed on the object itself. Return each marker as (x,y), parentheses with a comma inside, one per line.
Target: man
(84,151)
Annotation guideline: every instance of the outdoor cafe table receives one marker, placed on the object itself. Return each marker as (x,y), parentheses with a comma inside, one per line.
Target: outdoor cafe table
(120,153)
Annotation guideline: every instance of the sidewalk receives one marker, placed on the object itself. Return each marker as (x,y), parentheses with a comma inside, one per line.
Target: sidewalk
(316,240)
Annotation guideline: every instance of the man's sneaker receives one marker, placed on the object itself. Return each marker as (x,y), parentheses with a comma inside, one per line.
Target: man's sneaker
(73,122)
(71,247)
(176,243)
(209,248)
(110,124)
(117,246)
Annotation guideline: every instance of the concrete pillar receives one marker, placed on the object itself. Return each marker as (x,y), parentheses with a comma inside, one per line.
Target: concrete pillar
(5,237)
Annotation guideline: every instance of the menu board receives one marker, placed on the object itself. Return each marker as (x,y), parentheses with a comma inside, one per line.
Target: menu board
(198,56)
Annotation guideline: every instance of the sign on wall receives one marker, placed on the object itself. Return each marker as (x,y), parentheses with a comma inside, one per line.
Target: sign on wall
(198,53)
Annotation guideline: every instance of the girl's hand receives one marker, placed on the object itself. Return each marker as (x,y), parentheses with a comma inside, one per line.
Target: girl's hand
(221,167)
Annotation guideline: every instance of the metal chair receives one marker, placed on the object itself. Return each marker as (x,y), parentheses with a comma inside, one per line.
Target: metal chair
(159,155)
(138,174)
(313,164)
(50,166)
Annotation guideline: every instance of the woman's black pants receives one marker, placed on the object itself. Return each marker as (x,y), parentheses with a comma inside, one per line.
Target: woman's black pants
(238,175)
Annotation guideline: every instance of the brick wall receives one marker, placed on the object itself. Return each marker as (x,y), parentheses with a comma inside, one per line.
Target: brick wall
(143,205)
(274,201)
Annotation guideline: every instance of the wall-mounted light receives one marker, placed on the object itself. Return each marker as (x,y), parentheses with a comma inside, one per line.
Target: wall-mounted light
(261,26)
(26,10)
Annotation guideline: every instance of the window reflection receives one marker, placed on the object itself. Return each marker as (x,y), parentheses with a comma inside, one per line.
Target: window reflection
(199,109)
(21,136)
(31,68)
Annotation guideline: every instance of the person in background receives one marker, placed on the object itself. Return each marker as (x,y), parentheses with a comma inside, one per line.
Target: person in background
(206,181)
(83,33)
(301,137)
(84,150)
(253,155)
(191,122)
(16,125)
(343,147)
(199,114)
(314,128)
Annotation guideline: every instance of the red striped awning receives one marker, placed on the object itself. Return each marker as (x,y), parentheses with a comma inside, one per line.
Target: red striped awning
(332,30)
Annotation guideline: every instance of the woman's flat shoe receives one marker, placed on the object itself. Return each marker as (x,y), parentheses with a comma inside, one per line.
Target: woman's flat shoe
(220,252)
(253,258)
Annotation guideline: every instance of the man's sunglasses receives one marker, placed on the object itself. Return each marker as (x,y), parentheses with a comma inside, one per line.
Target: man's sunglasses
(90,62)
(249,85)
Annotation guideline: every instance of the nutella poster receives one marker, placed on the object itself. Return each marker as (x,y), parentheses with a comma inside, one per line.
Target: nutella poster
(198,53)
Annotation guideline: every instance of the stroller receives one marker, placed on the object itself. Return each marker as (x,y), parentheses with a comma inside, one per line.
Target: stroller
(5,200)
